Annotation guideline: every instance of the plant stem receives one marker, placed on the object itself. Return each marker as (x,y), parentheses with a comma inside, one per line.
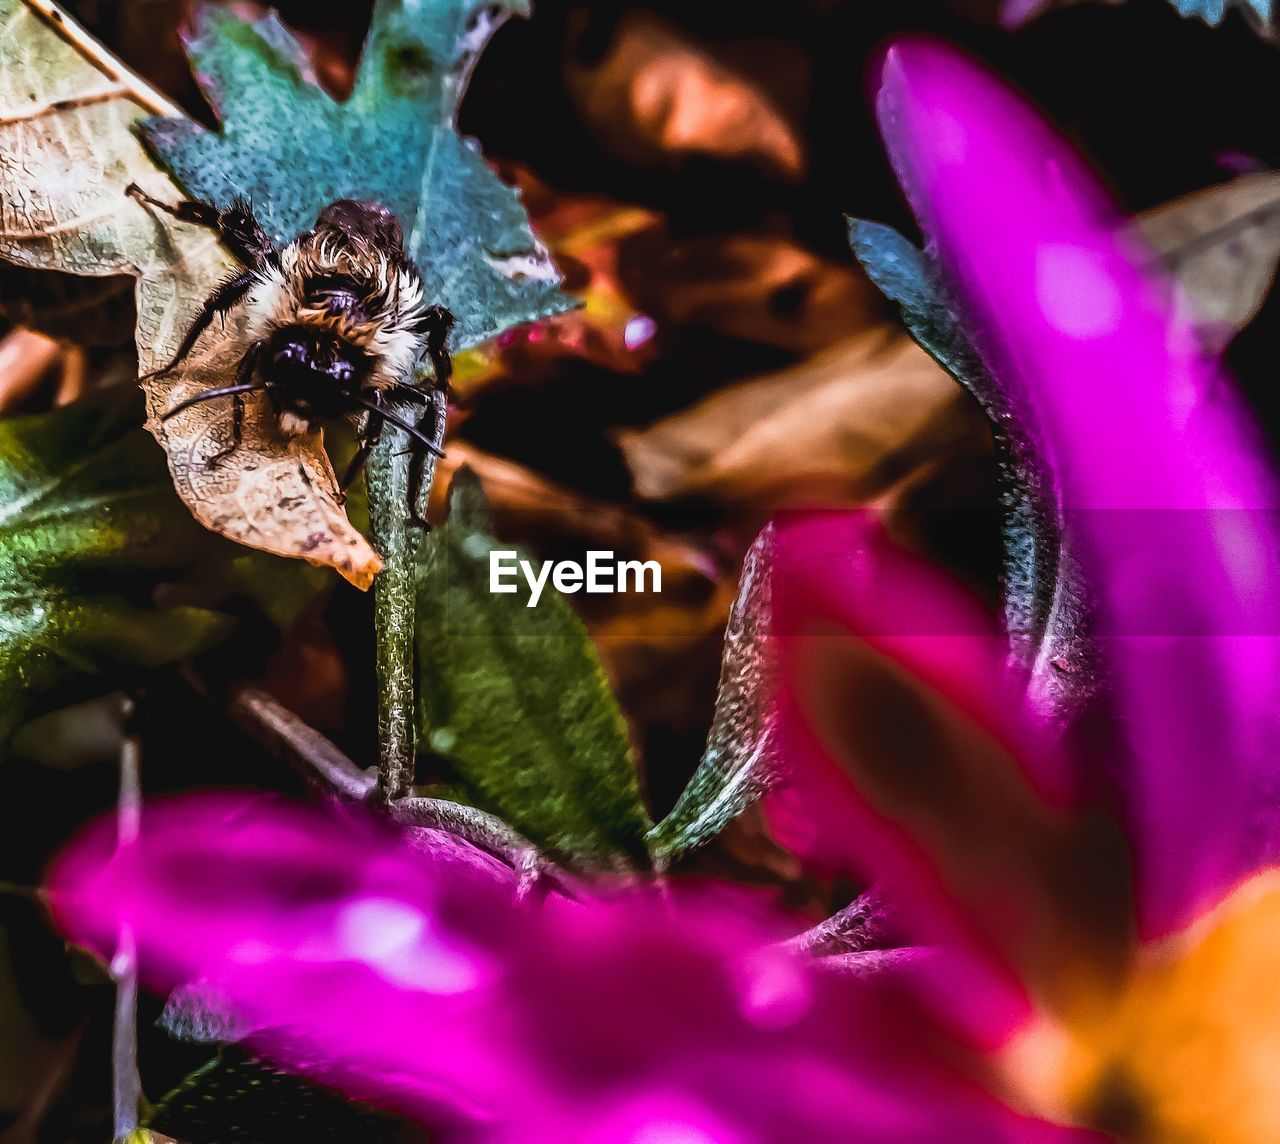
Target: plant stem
(397,539)
(126,1085)
(864,924)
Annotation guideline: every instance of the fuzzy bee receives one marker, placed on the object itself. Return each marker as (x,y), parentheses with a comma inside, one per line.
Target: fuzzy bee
(335,324)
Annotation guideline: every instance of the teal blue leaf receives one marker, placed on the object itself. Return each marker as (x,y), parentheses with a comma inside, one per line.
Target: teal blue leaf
(516,700)
(1213,11)
(293,149)
(739,764)
(1045,603)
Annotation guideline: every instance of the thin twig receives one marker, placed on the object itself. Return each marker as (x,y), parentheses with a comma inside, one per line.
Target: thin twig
(133,85)
(489,833)
(321,762)
(314,757)
(478,827)
(126,1084)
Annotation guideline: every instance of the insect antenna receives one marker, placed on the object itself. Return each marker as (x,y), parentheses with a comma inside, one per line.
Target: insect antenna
(400,423)
(210,394)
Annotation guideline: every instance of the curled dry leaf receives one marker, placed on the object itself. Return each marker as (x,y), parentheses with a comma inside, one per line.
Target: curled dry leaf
(848,424)
(280,494)
(656,99)
(1221,245)
(68,151)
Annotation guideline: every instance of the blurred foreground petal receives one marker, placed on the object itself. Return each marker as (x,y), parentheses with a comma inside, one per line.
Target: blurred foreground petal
(1170,504)
(381,971)
(911,764)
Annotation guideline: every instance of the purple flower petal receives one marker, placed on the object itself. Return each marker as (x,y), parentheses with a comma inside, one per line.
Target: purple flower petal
(1169,501)
(420,985)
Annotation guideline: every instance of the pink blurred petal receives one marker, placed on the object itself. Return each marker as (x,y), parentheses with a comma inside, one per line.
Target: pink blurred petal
(976,841)
(1169,498)
(419,985)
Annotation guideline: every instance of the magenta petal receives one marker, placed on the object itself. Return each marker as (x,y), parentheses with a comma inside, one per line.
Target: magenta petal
(1169,501)
(331,938)
(912,763)
(395,977)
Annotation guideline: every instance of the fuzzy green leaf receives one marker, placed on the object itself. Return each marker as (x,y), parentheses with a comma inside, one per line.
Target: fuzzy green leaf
(293,149)
(739,765)
(1045,606)
(236,1098)
(515,698)
(88,519)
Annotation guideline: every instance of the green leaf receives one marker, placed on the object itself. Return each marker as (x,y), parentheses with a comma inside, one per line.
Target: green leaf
(739,765)
(237,1098)
(88,519)
(1045,604)
(293,149)
(515,698)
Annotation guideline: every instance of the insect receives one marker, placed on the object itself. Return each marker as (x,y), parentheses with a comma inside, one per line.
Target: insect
(335,323)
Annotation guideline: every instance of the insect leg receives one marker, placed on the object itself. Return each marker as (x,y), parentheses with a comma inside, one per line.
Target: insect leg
(410,393)
(236,226)
(418,455)
(244,374)
(188,210)
(243,234)
(372,431)
(219,302)
(437,323)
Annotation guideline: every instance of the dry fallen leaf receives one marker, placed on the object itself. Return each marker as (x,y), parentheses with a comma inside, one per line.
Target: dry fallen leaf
(599,245)
(26,360)
(847,425)
(68,151)
(656,99)
(1221,245)
(761,288)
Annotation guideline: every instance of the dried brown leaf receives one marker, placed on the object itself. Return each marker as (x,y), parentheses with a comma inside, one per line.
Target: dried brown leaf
(26,359)
(68,152)
(599,245)
(847,425)
(657,99)
(761,288)
(1221,245)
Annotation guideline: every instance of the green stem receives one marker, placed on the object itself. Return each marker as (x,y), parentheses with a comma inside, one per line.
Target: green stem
(397,539)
